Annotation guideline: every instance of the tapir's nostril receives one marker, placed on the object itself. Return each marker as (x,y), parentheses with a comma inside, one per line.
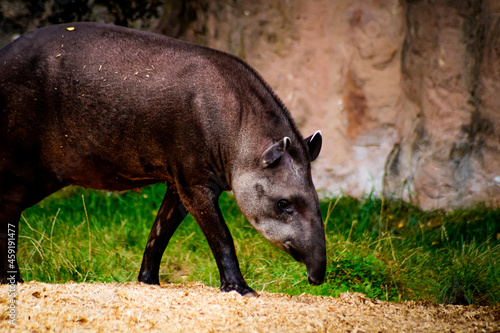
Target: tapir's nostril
(315,282)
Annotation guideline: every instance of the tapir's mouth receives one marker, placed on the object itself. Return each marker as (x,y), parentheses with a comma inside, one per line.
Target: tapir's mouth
(292,251)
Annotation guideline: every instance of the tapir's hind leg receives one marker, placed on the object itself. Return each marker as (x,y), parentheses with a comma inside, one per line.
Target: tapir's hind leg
(16,195)
(170,216)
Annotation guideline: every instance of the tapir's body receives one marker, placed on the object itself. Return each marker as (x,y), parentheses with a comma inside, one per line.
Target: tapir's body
(115,109)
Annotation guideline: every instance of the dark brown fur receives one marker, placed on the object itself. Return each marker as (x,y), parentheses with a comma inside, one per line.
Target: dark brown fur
(111,108)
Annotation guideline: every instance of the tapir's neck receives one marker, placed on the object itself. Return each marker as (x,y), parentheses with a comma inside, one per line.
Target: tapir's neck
(247,115)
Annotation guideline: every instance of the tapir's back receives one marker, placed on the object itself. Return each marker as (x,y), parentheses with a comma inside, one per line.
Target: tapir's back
(71,61)
(83,68)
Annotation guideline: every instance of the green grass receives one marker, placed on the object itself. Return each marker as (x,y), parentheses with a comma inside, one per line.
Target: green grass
(387,250)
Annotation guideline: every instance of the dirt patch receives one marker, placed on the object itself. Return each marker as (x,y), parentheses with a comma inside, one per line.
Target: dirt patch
(104,307)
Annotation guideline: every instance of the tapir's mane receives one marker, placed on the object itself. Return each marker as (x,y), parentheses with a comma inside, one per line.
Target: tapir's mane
(267,87)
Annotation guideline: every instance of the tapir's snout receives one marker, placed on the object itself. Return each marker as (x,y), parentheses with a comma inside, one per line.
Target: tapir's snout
(314,259)
(316,273)
(316,266)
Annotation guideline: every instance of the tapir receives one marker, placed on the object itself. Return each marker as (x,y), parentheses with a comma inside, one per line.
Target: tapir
(112,108)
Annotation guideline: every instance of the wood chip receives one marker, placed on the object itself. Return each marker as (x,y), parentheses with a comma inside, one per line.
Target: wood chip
(194,307)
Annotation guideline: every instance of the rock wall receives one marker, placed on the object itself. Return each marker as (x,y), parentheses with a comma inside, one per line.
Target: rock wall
(448,154)
(403,91)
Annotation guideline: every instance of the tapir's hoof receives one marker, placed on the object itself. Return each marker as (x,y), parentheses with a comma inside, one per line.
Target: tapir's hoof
(250,294)
(241,288)
(146,277)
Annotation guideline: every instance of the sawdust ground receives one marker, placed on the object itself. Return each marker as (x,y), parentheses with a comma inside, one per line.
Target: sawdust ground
(104,307)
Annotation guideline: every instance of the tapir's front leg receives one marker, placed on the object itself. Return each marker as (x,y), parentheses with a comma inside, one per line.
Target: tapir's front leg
(202,203)
(170,216)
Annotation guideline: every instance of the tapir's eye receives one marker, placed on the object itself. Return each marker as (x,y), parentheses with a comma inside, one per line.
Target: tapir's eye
(285,206)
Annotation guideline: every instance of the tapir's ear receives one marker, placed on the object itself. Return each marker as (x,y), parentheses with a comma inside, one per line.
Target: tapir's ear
(275,151)
(313,144)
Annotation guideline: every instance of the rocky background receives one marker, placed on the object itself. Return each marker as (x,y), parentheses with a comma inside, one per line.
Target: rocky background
(404,91)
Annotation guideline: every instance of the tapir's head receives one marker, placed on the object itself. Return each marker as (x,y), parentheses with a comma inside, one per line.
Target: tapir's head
(277,195)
